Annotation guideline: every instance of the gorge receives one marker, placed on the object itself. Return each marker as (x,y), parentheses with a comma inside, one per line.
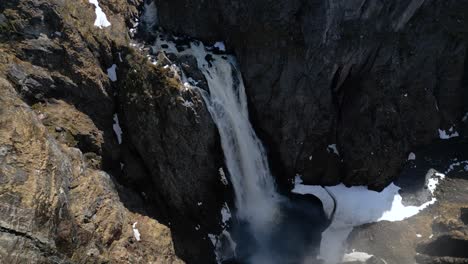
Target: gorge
(206,131)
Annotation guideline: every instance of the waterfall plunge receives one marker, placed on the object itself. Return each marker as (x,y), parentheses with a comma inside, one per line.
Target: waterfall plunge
(270,228)
(255,194)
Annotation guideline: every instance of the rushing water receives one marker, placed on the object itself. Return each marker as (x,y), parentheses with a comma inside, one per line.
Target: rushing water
(270,228)
(255,194)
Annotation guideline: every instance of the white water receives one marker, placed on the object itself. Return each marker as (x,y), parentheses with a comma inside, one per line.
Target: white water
(255,194)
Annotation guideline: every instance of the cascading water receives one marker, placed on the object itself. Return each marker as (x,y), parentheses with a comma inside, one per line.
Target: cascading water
(271,227)
(255,194)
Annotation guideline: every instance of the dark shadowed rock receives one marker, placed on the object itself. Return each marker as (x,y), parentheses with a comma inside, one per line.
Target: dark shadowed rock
(376,78)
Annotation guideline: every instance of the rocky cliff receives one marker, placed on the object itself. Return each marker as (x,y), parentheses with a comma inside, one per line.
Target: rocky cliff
(100,159)
(371,79)
(105,157)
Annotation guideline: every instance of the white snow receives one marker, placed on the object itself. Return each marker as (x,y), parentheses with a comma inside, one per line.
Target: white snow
(117,129)
(220,45)
(225,214)
(412,156)
(213,239)
(136,233)
(101,18)
(418,235)
(446,134)
(456,164)
(358,205)
(356,256)
(332,149)
(434,180)
(188,104)
(111,73)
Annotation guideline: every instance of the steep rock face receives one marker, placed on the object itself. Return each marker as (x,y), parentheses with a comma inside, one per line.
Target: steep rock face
(170,133)
(57,209)
(70,191)
(376,78)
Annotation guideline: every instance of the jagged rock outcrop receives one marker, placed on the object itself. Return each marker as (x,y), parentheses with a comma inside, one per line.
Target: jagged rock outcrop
(376,78)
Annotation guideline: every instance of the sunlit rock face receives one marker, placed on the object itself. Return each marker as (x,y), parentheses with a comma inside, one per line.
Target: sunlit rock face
(376,79)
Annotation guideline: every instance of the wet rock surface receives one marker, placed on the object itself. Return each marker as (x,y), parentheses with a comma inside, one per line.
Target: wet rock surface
(375,78)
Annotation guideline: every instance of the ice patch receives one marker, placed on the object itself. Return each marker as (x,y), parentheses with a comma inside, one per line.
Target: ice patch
(136,233)
(101,18)
(446,134)
(220,46)
(111,73)
(332,149)
(117,129)
(412,156)
(356,256)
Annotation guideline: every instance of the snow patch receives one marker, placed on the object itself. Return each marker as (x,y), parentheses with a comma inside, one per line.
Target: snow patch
(220,46)
(465,118)
(225,214)
(456,164)
(111,73)
(101,18)
(446,134)
(356,256)
(418,235)
(356,206)
(412,156)
(136,233)
(332,149)
(117,129)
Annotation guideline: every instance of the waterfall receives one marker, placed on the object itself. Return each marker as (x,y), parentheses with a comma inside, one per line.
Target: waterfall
(255,193)
(270,228)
